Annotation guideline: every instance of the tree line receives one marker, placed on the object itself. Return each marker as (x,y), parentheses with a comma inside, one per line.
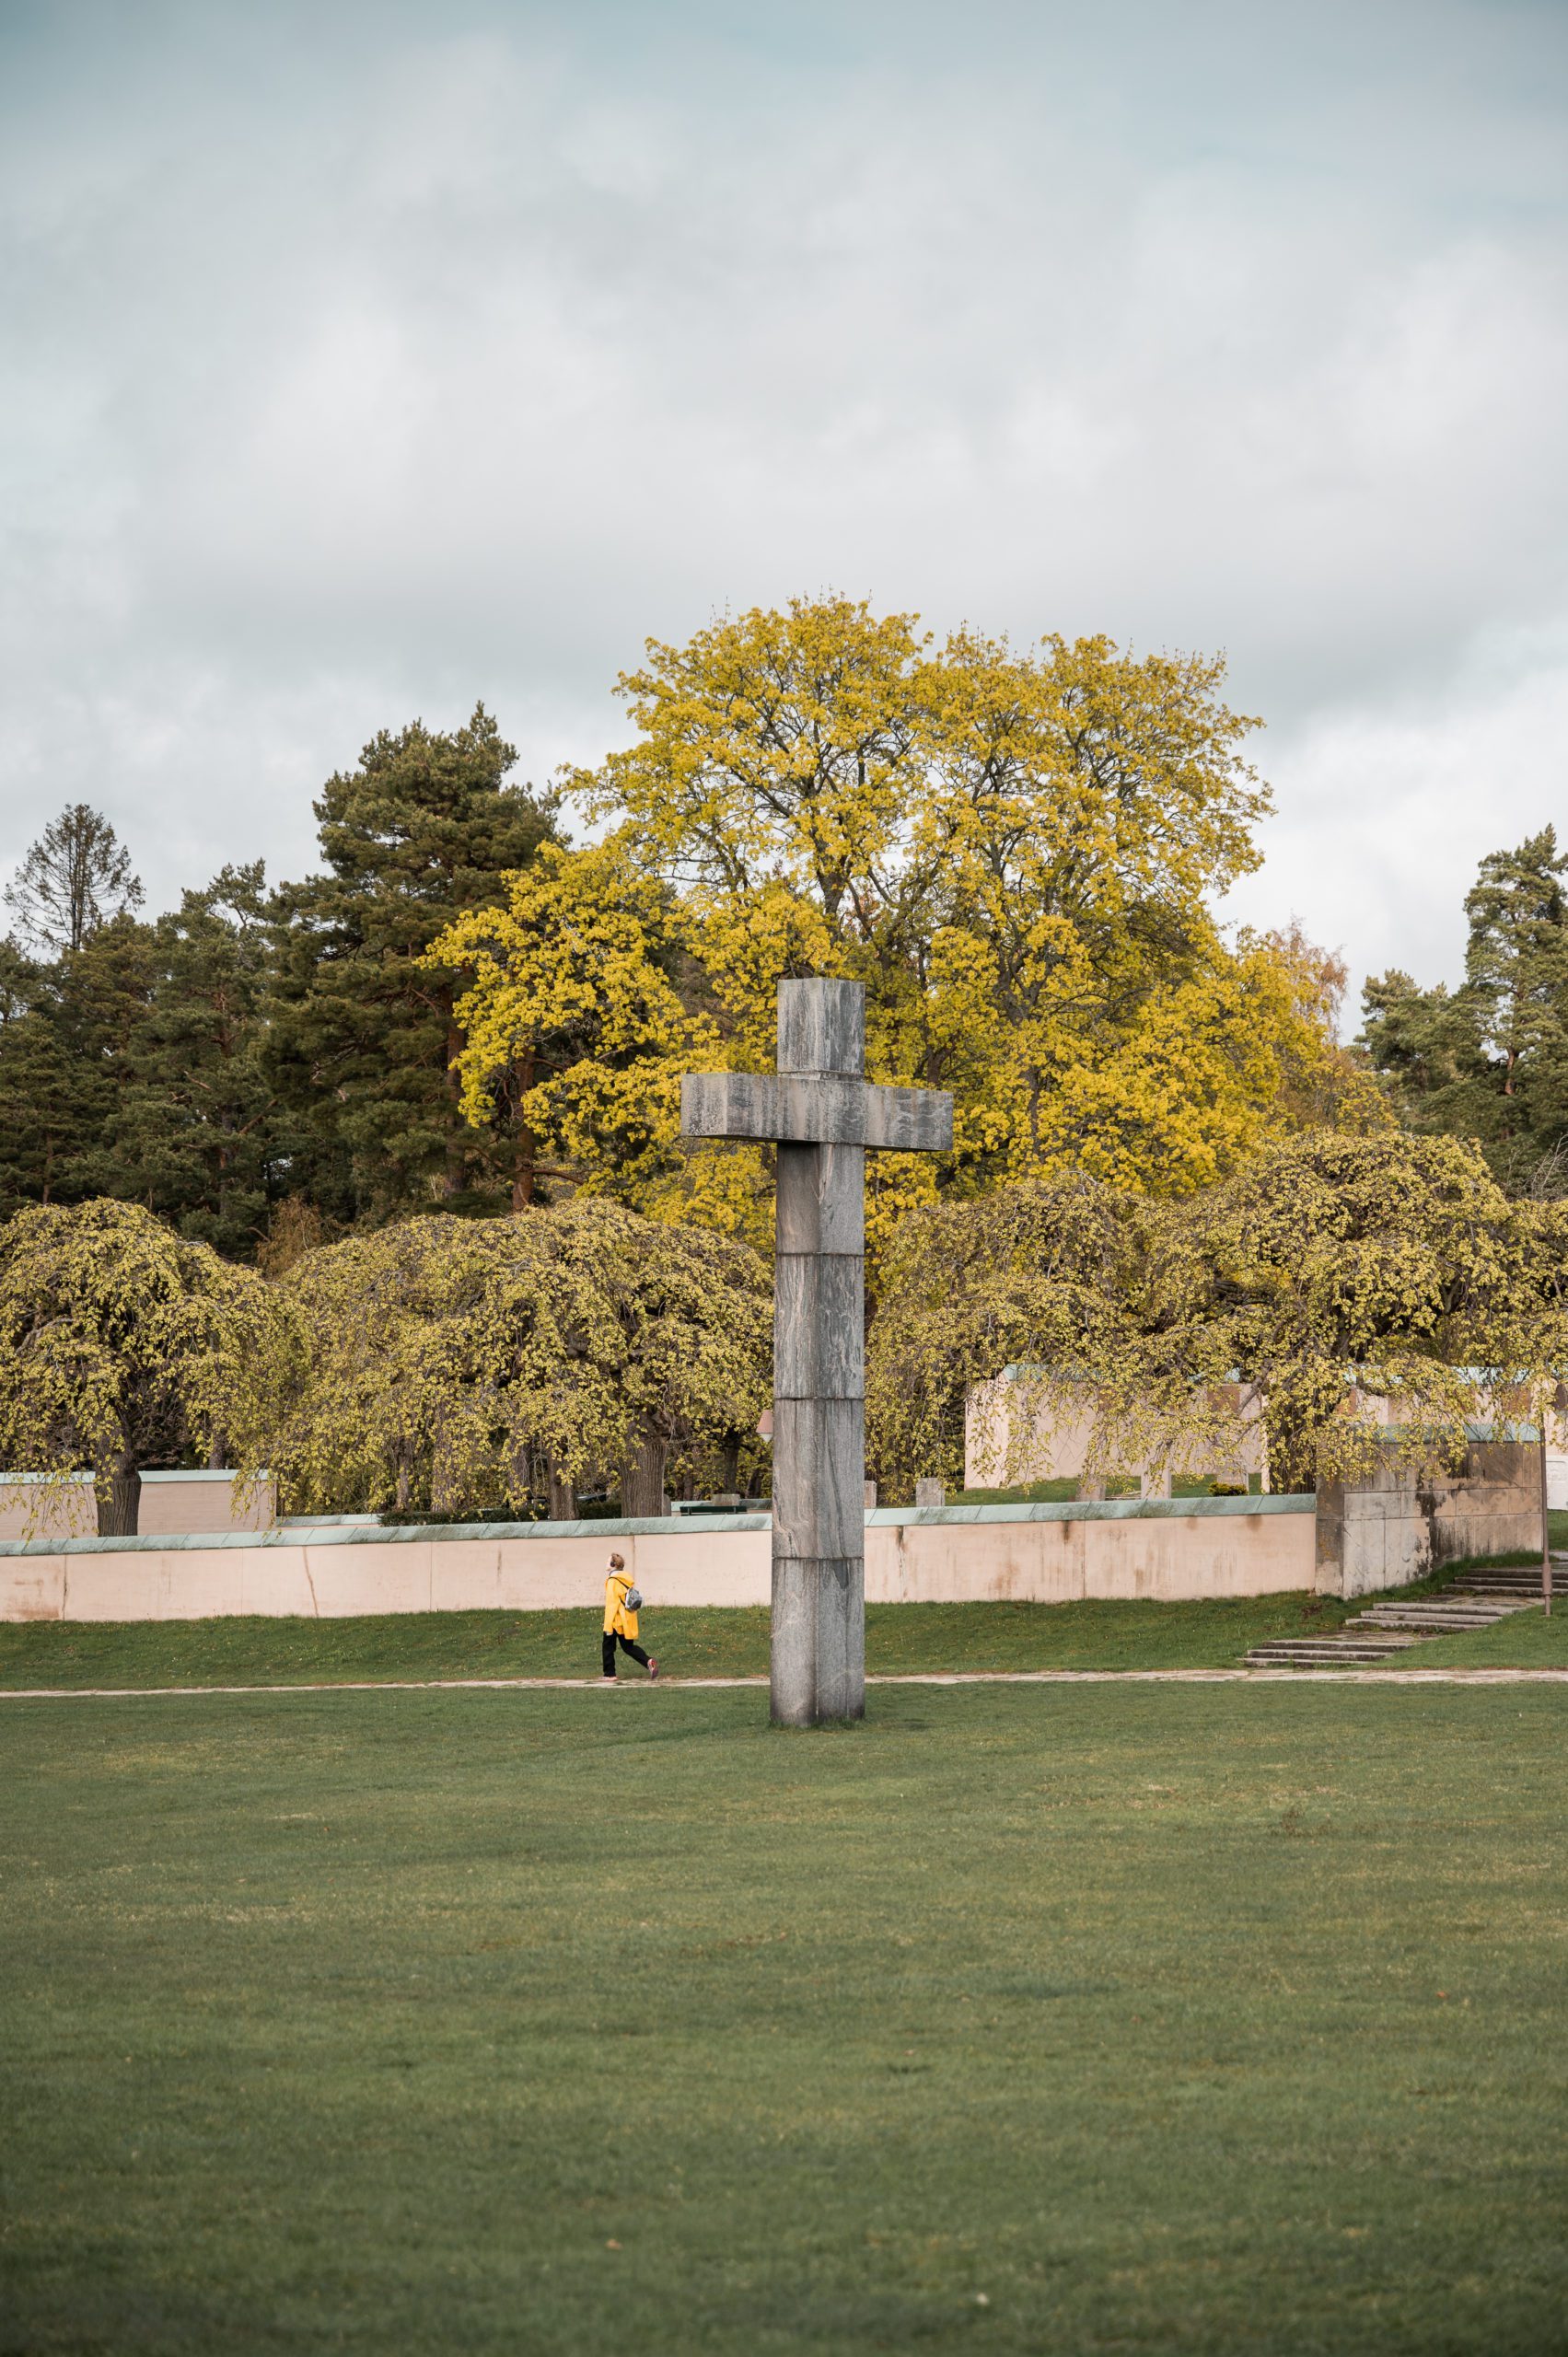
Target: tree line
(484,1368)
(261,1046)
(1016,851)
(419,1088)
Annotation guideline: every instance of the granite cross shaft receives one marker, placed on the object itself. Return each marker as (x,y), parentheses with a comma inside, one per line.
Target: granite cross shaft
(822,1114)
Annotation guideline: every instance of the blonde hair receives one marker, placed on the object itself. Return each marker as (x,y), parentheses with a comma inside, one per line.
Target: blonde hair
(617,1562)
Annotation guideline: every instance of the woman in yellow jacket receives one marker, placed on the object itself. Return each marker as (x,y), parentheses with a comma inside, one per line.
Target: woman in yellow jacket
(620,1599)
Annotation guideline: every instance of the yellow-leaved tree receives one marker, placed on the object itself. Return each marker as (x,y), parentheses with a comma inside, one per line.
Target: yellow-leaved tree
(1015,849)
(1330,1270)
(462,1366)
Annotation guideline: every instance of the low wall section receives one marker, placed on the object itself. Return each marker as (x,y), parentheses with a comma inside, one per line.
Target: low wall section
(1387,1532)
(1045,1554)
(32,1507)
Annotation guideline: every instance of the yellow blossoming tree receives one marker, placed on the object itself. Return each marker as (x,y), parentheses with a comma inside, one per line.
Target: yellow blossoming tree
(1016,850)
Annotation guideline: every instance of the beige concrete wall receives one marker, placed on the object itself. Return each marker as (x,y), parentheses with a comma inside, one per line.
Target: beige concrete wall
(1012,1437)
(1387,1532)
(412,1574)
(1169,1558)
(949,1557)
(171,1503)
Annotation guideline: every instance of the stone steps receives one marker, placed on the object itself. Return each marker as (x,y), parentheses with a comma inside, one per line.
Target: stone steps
(1431,1623)
(1477,1600)
(1304,1656)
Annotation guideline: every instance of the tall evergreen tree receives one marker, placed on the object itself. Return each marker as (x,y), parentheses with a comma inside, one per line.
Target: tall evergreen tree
(363,1038)
(65,1043)
(195,1131)
(1490,1058)
(75,877)
(46,1112)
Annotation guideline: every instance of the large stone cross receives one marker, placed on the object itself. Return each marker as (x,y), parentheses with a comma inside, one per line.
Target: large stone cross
(822,1114)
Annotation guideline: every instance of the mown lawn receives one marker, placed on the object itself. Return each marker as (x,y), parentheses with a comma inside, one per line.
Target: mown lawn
(1523,1640)
(689,1642)
(1150,2019)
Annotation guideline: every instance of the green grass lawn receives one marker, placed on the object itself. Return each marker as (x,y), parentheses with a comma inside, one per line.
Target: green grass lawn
(1062,1490)
(1177,2019)
(687,1642)
(1523,1640)
(692,1643)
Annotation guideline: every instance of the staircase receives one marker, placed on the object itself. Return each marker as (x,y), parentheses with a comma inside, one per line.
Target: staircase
(1386,1631)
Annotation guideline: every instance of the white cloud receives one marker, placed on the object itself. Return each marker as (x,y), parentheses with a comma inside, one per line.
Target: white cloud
(1383,815)
(364,364)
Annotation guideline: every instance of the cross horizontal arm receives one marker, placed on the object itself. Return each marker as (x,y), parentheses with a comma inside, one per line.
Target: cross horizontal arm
(815,1108)
(910,1121)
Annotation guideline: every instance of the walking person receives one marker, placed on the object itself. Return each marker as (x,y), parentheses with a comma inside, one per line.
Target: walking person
(620,1602)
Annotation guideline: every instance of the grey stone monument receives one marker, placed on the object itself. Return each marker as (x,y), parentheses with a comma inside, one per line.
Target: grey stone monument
(822,1114)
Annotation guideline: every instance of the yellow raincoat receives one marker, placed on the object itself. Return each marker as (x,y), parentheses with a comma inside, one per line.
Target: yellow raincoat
(617,1622)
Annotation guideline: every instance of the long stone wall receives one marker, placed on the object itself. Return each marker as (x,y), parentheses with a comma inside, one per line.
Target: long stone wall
(951,1554)
(1165,1550)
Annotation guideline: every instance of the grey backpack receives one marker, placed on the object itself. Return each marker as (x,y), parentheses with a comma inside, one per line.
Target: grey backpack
(633,1599)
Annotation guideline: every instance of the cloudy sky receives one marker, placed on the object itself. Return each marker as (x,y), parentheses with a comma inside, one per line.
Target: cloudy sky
(361,362)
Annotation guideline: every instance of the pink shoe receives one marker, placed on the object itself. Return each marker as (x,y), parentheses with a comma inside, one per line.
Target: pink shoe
(653,1667)
(608,1679)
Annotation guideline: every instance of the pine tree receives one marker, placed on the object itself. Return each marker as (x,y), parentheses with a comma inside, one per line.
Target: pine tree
(1490,1058)
(363,1037)
(75,877)
(196,1134)
(46,1110)
(65,1032)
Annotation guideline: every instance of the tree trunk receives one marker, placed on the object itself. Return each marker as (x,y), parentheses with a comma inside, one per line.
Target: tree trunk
(642,1476)
(729,1462)
(563,1496)
(119,1512)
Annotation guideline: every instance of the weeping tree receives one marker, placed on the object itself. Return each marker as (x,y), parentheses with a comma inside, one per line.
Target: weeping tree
(125,1347)
(455,1365)
(1330,1269)
(1335,1268)
(1038,1276)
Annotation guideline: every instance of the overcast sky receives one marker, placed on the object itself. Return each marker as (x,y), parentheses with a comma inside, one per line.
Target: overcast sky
(360,363)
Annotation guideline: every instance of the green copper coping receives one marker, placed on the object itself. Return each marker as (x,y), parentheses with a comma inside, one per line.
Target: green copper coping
(652,1525)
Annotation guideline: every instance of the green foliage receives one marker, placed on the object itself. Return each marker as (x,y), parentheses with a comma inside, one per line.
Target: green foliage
(195,1131)
(122,1347)
(1489,1060)
(53,1099)
(1014,849)
(364,1036)
(457,1361)
(1326,1269)
(1043,1275)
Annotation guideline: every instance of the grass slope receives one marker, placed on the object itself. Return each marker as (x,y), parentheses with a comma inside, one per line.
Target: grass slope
(1523,1640)
(1151,2019)
(689,1642)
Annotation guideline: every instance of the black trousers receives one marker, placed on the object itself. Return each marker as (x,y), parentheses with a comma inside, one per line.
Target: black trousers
(628,1646)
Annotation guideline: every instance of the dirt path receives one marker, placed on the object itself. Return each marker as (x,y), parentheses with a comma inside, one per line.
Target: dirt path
(903,1678)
